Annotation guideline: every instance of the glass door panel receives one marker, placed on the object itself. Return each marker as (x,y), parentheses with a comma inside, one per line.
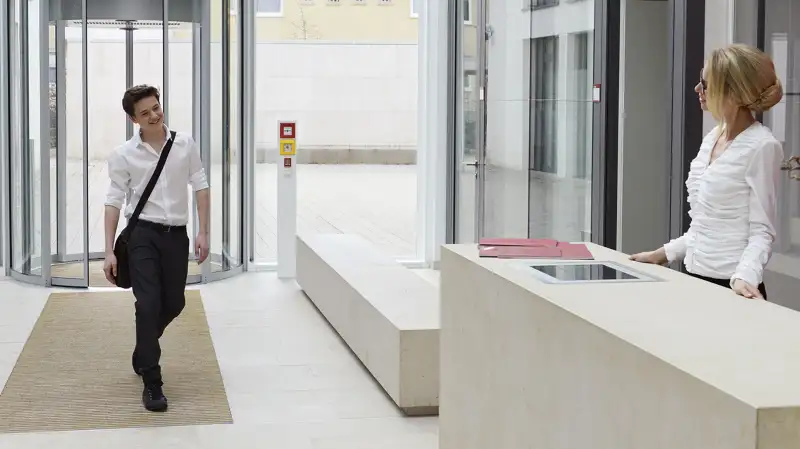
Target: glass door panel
(26,174)
(558,134)
(504,184)
(225,165)
(779,34)
(469,128)
(108,65)
(68,167)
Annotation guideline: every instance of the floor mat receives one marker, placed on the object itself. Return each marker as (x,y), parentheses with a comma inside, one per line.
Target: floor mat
(75,372)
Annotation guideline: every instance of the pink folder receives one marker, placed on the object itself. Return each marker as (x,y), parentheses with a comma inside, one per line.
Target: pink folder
(518,242)
(574,251)
(520,252)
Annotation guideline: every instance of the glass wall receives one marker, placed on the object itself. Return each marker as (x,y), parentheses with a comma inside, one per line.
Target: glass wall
(67,76)
(532,127)
(346,73)
(25,143)
(774,25)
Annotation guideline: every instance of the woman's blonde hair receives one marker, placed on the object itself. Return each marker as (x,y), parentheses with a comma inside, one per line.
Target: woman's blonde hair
(744,76)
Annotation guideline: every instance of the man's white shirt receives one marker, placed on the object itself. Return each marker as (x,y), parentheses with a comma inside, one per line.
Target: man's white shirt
(131,165)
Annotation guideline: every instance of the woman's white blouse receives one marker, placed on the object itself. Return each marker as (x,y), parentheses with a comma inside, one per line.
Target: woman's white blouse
(733,206)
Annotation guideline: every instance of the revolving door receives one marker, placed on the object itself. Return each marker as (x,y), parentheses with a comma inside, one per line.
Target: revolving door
(70,62)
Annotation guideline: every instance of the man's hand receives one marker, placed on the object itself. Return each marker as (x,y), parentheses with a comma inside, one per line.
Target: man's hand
(201,247)
(110,268)
(748,291)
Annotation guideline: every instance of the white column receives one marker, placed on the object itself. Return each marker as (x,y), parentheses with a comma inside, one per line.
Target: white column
(432,148)
(287,202)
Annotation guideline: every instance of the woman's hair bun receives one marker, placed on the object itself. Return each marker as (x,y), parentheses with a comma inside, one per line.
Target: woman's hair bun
(771,96)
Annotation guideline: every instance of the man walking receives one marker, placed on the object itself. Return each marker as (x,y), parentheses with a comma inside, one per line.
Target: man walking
(158,245)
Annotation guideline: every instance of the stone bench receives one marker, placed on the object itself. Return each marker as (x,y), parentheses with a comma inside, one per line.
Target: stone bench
(387,314)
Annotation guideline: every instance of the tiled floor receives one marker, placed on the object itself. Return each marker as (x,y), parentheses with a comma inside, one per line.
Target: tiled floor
(291,382)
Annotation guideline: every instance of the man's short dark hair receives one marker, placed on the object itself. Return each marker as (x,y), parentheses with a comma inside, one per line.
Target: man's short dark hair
(135,94)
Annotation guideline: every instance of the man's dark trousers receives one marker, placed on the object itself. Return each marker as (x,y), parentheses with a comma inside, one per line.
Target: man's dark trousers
(159,259)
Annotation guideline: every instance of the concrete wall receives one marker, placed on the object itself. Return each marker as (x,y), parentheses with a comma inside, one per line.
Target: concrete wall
(352,102)
(643,209)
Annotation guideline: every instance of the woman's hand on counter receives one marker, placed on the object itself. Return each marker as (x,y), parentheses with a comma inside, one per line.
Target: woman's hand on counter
(655,257)
(743,288)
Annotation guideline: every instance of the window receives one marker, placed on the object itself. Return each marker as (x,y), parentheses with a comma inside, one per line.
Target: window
(271,7)
(544,3)
(544,80)
(415,4)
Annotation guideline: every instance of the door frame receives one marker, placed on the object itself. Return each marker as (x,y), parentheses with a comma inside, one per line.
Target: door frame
(5,256)
(244,137)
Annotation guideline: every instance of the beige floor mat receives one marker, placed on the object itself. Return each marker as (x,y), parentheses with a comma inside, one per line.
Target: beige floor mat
(75,373)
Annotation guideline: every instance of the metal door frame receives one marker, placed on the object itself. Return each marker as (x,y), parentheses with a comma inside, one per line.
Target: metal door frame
(44,259)
(480,167)
(4,136)
(244,28)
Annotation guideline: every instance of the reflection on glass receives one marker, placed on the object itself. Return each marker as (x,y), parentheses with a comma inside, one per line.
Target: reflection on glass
(781,33)
(560,130)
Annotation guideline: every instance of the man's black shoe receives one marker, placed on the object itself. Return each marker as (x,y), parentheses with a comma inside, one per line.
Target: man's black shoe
(153,399)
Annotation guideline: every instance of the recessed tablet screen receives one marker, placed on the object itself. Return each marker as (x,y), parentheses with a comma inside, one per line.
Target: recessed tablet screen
(583,272)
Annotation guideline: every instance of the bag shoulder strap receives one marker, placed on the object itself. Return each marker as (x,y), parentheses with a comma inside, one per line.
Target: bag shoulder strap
(153,179)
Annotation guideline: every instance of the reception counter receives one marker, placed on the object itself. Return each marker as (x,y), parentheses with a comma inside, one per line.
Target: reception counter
(648,359)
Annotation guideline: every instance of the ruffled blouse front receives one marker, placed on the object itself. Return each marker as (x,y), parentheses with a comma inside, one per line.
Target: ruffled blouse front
(733,207)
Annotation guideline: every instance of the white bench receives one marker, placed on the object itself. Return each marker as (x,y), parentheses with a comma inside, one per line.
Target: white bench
(387,314)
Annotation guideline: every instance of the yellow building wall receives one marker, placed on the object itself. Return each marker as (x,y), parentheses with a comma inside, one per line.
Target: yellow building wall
(346,20)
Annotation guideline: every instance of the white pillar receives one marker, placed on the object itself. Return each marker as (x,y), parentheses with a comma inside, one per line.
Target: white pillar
(287,199)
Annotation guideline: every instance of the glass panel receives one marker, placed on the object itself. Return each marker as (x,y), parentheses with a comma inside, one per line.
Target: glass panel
(226,218)
(780,34)
(108,124)
(26,144)
(233,209)
(20,173)
(346,73)
(559,132)
(560,160)
(508,66)
(67,165)
(181,103)
(467,151)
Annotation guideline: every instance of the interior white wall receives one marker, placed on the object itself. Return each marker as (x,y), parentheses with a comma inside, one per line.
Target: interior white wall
(643,206)
(343,96)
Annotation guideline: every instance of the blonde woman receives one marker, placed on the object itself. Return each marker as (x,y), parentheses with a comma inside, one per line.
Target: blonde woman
(733,181)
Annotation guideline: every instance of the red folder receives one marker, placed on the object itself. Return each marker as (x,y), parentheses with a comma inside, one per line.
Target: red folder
(518,242)
(574,251)
(520,252)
